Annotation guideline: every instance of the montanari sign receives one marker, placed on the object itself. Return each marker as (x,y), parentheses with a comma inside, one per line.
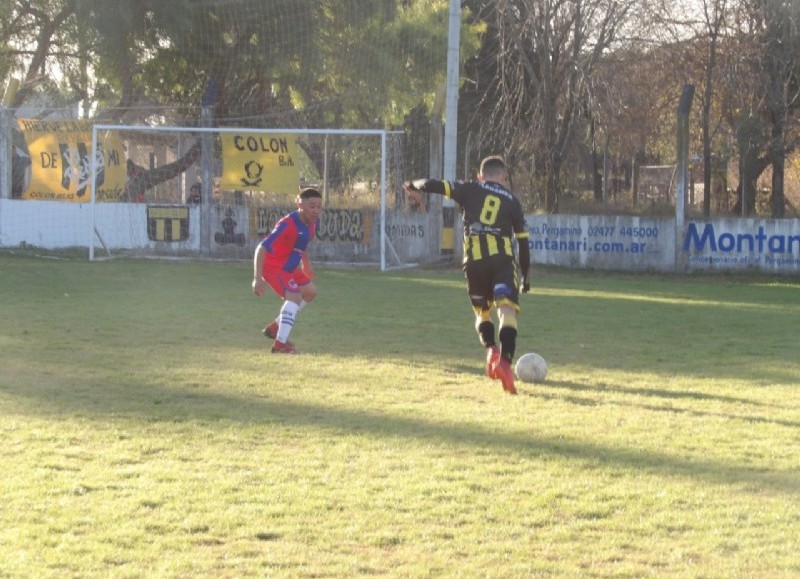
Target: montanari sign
(631,243)
(749,244)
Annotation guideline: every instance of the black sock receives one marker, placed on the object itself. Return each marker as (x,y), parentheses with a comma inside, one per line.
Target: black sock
(486,334)
(508,342)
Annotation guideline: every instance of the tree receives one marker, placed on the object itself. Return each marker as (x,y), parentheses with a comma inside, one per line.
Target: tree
(703,33)
(546,51)
(714,13)
(632,105)
(32,33)
(764,106)
(285,63)
(781,60)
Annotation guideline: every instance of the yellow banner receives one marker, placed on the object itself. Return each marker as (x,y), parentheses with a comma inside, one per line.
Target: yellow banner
(260,162)
(61,161)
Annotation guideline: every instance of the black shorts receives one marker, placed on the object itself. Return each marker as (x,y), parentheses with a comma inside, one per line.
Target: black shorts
(492,281)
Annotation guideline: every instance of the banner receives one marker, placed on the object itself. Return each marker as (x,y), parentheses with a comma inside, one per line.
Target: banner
(168,223)
(61,161)
(260,162)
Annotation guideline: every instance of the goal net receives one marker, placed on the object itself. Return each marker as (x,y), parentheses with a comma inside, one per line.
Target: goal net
(216,192)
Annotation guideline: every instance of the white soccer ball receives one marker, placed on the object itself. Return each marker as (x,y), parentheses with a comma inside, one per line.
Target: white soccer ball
(531,368)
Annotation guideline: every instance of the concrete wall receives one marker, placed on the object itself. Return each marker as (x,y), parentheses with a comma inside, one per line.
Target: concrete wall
(344,235)
(603,242)
(353,235)
(653,244)
(766,245)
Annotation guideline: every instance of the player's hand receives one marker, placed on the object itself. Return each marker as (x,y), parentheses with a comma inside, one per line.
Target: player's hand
(412,192)
(259,285)
(526,286)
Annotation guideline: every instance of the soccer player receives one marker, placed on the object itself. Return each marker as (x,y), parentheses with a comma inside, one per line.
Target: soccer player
(281,261)
(492,217)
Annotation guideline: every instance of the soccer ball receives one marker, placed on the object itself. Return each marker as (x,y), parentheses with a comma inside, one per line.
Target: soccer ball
(531,368)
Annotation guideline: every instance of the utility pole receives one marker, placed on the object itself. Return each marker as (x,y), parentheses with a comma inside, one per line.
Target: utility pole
(451,108)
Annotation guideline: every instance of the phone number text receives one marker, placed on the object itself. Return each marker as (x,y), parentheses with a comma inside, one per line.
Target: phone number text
(634,232)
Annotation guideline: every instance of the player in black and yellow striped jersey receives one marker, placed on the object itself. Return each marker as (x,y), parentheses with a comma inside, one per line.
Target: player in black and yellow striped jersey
(493,221)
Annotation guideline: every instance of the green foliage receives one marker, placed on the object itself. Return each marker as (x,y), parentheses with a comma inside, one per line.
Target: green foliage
(147,431)
(538,73)
(327,63)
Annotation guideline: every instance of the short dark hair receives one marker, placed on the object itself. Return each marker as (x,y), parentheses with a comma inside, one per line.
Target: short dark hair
(492,165)
(310,193)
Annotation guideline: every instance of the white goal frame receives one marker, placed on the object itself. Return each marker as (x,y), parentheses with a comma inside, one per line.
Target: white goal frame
(382,134)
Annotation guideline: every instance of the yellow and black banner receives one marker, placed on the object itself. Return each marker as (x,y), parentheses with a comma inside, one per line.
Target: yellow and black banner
(61,161)
(169,223)
(260,162)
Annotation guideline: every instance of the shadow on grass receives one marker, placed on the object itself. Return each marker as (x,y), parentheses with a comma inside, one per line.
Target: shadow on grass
(656,393)
(144,302)
(158,404)
(547,390)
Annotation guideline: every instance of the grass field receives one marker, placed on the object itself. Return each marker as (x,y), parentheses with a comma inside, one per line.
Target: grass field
(147,431)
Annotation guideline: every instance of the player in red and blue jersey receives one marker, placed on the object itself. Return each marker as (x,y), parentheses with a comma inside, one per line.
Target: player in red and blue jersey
(281,261)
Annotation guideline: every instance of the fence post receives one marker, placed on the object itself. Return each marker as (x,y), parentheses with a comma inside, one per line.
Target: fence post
(682,173)
(6,138)
(5,150)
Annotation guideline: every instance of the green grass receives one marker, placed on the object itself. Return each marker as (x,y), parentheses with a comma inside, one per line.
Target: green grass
(147,431)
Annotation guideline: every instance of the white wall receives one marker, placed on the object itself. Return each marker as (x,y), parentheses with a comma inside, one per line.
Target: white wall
(622,243)
(344,235)
(61,225)
(603,242)
(651,244)
(767,245)
(45,224)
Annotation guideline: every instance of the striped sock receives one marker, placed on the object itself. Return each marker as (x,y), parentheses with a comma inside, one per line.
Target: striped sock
(286,323)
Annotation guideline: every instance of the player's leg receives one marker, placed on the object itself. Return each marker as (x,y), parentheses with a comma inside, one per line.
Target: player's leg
(300,290)
(286,318)
(508,331)
(275,280)
(484,325)
(485,328)
(480,296)
(506,297)
(307,293)
(501,368)
(285,286)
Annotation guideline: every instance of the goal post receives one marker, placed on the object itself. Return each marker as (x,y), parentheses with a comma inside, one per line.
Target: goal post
(243,179)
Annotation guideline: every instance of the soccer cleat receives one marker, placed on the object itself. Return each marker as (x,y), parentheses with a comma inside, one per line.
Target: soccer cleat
(281,348)
(492,356)
(271,330)
(503,372)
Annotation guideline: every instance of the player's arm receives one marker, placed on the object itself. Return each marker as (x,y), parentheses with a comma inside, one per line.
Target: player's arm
(524,261)
(417,186)
(259,283)
(523,249)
